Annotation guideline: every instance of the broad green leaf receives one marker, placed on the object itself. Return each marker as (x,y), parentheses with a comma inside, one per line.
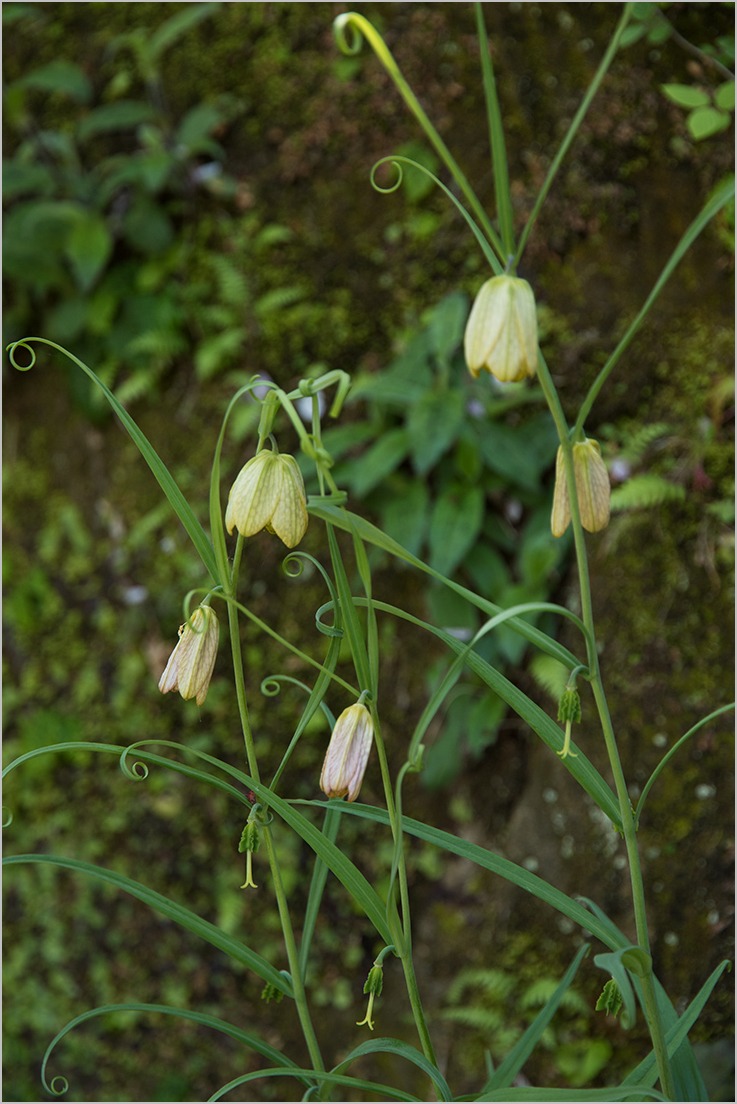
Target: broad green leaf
(195,130)
(433,424)
(724,96)
(505,451)
(24,179)
(488,570)
(120,115)
(447,325)
(405,514)
(454,526)
(88,248)
(147,226)
(181,915)
(59,76)
(685,95)
(379,460)
(705,121)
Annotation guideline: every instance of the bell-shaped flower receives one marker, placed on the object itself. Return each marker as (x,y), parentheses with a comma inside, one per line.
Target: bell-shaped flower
(348,753)
(190,665)
(501,332)
(269,493)
(592,489)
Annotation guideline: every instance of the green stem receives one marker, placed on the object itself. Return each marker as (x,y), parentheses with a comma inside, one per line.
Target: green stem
(300,996)
(403,942)
(650,1006)
(362,27)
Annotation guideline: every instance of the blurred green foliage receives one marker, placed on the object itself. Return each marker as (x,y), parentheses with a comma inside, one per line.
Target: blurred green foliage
(114,236)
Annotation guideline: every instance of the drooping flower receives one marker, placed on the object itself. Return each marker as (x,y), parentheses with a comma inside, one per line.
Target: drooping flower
(190,665)
(501,332)
(372,988)
(592,489)
(249,842)
(348,753)
(268,493)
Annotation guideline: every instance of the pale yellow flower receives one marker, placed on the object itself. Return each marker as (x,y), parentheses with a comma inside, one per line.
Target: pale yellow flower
(592,489)
(348,753)
(501,332)
(190,665)
(269,493)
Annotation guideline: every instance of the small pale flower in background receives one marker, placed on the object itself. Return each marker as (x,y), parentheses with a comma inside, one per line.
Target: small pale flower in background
(269,493)
(592,489)
(348,753)
(190,665)
(501,332)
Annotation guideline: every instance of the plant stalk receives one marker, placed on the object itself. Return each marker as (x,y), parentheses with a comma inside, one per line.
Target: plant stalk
(650,1006)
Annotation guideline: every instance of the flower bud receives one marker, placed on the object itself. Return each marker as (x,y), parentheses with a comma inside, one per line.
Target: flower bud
(592,489)
(269,493)
(348,752)
(501,332)
(190,665)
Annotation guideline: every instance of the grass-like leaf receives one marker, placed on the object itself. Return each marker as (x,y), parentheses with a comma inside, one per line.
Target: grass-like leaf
(181,915)
(59,1084)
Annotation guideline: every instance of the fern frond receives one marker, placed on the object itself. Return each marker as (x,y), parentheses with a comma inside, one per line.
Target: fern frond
(645,491)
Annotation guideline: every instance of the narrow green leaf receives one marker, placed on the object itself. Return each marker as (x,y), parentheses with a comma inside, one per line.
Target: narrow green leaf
(488,860)
(359,1084)
(203,1018)
(403,1050)
(236,950)
(508,1069)
(173,28)
(161,473)
(344,519)
(676,1034)
(534,1092)
(340,865)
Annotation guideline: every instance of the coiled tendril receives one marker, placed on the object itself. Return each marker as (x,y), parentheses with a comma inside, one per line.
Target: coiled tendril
(22,344)
(134,772)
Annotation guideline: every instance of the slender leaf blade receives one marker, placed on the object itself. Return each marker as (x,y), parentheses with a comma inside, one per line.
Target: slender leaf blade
(236,950)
